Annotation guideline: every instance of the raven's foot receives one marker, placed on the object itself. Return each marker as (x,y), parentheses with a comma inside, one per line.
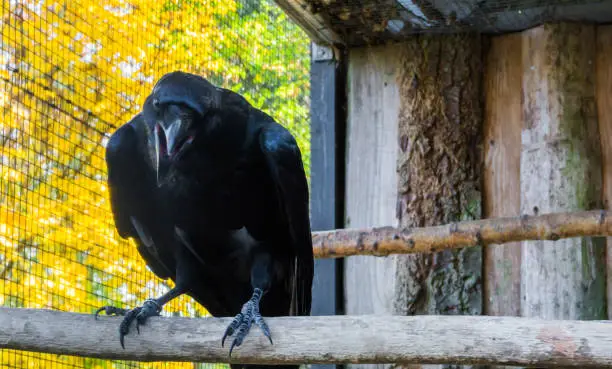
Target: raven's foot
(149,308)
(243,321)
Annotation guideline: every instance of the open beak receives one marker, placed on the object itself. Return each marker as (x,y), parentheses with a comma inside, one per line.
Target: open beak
(170,143)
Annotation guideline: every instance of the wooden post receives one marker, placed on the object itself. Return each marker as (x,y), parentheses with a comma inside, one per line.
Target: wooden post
(560,171)
(502,193)
(440,133)
(371,179)
(323,175)
(604,108)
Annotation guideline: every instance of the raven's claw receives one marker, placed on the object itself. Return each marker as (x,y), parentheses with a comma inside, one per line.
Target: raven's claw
(149,308)
(110,310)
(241,324)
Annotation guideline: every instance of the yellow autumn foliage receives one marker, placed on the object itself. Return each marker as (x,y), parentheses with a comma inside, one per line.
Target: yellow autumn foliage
(70,73)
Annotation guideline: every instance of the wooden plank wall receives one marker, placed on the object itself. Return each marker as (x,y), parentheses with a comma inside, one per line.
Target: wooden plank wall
(502,193)
(553,74)
(547,147)
(371,178)
(604,109)
(501,178)
(561,171)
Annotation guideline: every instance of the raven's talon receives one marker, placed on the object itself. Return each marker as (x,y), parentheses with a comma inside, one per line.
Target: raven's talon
(242,323)
(140,314)
(231,328)
(261,323)
(110,310)
(124,327)
(232,348)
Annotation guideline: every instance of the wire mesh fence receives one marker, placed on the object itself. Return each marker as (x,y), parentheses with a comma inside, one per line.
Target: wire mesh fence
(70,73)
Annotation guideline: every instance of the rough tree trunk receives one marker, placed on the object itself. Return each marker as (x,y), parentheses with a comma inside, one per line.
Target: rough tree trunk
(440,126)
(560,171)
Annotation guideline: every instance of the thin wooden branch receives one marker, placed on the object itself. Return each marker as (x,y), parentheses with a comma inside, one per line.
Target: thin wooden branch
(322,339)
(384,241)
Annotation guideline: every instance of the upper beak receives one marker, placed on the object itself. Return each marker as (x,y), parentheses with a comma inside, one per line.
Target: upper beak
(164,141)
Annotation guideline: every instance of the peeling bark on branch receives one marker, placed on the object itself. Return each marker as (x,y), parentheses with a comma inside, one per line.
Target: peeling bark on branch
(322,339)
(383,241)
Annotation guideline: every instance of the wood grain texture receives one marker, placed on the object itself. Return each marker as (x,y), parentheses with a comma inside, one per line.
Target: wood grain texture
(371,177)
(383,241)
(501,176)
(325,339)
(560,171)
(604,114)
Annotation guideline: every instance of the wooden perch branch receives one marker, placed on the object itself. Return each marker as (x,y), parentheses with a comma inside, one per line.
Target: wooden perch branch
(322,339)
(384,241)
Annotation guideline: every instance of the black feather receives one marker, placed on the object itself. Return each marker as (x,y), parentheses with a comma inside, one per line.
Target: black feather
(132,195)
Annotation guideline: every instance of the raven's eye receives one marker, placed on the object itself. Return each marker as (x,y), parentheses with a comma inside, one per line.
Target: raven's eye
(155,104)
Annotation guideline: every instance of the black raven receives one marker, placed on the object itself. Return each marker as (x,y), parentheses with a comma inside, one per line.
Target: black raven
(214,193)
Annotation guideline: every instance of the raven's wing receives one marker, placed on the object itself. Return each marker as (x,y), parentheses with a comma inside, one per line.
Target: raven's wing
(131,193)
(284,162)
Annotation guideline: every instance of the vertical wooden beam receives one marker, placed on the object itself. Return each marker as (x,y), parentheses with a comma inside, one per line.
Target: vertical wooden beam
(502,193)
(371,177)
(323,175)
(560,171)
(604,109)
(440,164)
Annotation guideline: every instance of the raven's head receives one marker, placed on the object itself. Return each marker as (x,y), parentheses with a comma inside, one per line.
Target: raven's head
(178,110)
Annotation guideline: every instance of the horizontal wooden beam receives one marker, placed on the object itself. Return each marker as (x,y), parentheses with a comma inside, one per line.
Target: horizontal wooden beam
(312,24)
(324,339)
(383,241)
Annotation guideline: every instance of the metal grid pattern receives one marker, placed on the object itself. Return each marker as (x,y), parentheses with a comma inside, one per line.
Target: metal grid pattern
(70,73)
